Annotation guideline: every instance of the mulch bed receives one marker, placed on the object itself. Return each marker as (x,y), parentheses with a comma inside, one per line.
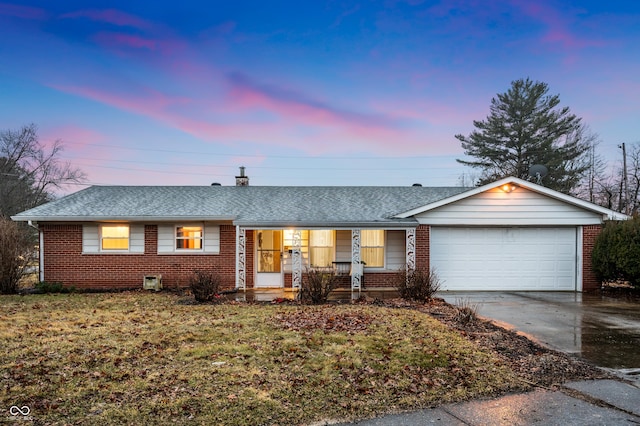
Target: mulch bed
(533,363)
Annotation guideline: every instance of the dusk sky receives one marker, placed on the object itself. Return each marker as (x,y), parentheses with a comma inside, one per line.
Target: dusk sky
(303,92)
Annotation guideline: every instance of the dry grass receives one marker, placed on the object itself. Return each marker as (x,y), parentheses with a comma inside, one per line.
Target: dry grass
(141,358)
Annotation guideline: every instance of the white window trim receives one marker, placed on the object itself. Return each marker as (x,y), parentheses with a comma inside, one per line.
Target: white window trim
(100,238)
(188,250)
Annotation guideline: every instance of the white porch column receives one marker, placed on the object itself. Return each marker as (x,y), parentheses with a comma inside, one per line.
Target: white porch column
(241,256)
(411,249)
(356,264)
(296,260)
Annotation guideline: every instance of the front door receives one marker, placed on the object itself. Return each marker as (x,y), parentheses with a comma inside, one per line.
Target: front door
(269,259)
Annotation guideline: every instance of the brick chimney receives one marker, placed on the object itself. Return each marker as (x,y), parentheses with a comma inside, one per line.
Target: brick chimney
(242,180)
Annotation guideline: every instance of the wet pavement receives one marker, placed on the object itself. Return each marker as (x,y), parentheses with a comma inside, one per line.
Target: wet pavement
(596,402)
(602,330)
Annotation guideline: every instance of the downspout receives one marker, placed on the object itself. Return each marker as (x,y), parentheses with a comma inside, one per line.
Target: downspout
(40,250)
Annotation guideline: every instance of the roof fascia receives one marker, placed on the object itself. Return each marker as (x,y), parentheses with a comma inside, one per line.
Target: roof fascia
(121,218)
(404,224)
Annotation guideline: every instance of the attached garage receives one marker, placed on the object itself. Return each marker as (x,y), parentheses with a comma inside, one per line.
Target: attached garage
(512,235)
(505,258)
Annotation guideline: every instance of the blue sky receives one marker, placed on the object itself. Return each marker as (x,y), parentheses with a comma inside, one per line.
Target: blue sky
(303,93)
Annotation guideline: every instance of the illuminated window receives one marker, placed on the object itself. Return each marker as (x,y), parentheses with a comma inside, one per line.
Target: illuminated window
(114,237)
(321,248)
(372,248)
(189,237)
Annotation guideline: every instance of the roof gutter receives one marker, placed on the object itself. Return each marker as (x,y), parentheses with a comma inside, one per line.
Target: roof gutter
(30,219)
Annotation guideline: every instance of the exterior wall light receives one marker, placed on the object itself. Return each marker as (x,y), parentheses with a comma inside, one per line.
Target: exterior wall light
(508,187)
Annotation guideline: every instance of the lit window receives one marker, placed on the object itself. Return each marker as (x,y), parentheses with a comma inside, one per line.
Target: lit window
(321,247)
(189,237)
(114,237)
(372,248)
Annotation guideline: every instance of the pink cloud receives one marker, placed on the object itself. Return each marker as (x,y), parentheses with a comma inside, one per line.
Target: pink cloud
(78,136)
(111,16)
(247,93)
(558,32)
(24,12)
(309,128)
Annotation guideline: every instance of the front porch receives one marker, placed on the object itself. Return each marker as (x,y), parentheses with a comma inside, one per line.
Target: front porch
(272,258)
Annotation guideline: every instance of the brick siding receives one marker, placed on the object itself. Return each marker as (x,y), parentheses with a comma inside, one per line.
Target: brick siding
(589,280)
(64,261)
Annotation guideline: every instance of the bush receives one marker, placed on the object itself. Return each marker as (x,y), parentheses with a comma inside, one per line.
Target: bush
(316,285)
(53,287)
(205,285)
(416,284)
(466,311)
(616,252)
(15,254)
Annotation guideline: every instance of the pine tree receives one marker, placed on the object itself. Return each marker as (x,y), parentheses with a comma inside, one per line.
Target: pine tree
(526,126)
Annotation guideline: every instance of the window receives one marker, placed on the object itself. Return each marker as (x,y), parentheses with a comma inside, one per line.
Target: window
(189,237)
(321,248)
(114,237)
(372,248)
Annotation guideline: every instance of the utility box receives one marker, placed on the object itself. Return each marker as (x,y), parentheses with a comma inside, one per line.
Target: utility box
(152,282)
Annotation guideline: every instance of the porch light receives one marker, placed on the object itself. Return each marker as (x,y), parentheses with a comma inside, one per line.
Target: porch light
(508,187)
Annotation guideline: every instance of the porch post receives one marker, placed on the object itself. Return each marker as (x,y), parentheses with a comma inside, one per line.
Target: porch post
(356,265)
(296,260)
(241,256)
(411,249)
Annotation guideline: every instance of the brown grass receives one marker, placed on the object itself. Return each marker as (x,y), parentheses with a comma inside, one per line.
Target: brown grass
(141,358)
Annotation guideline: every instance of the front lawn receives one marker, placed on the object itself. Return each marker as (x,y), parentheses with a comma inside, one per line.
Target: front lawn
(147,358)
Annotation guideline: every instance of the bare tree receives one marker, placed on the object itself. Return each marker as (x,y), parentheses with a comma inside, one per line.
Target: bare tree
(633,174)
(15,252)
(29,171)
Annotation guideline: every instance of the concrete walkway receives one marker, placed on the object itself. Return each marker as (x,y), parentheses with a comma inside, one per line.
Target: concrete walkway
(596,402)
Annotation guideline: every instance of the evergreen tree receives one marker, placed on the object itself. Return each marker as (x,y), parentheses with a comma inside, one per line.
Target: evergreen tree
(526,126)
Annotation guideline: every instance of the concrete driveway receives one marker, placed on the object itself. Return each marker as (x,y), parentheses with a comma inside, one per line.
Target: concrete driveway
(605,331)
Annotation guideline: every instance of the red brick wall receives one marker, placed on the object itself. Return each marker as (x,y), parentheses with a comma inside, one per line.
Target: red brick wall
(422,246)
(589,235)
(64,261)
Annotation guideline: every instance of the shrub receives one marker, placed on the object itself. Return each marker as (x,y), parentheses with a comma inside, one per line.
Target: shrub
(205,285)
(616,252)
(53,287)
(316,285)
(416,284)
(15,254)
(466,311)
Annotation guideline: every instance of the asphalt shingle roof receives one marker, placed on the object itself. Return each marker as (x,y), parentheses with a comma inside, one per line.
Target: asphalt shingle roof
(249,205)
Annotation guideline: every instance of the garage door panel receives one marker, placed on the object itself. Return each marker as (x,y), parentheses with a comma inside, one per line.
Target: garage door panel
(504,258)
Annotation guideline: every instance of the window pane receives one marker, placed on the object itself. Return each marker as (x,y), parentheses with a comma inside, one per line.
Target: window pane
(189,237)
(115,244)
(189,232)
(321,257)
(115,231)
(322,238)
(114,237)
(372,256)
(372,247)
(372,238)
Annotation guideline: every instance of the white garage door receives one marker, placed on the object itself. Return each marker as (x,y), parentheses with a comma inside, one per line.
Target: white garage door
(504,258)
